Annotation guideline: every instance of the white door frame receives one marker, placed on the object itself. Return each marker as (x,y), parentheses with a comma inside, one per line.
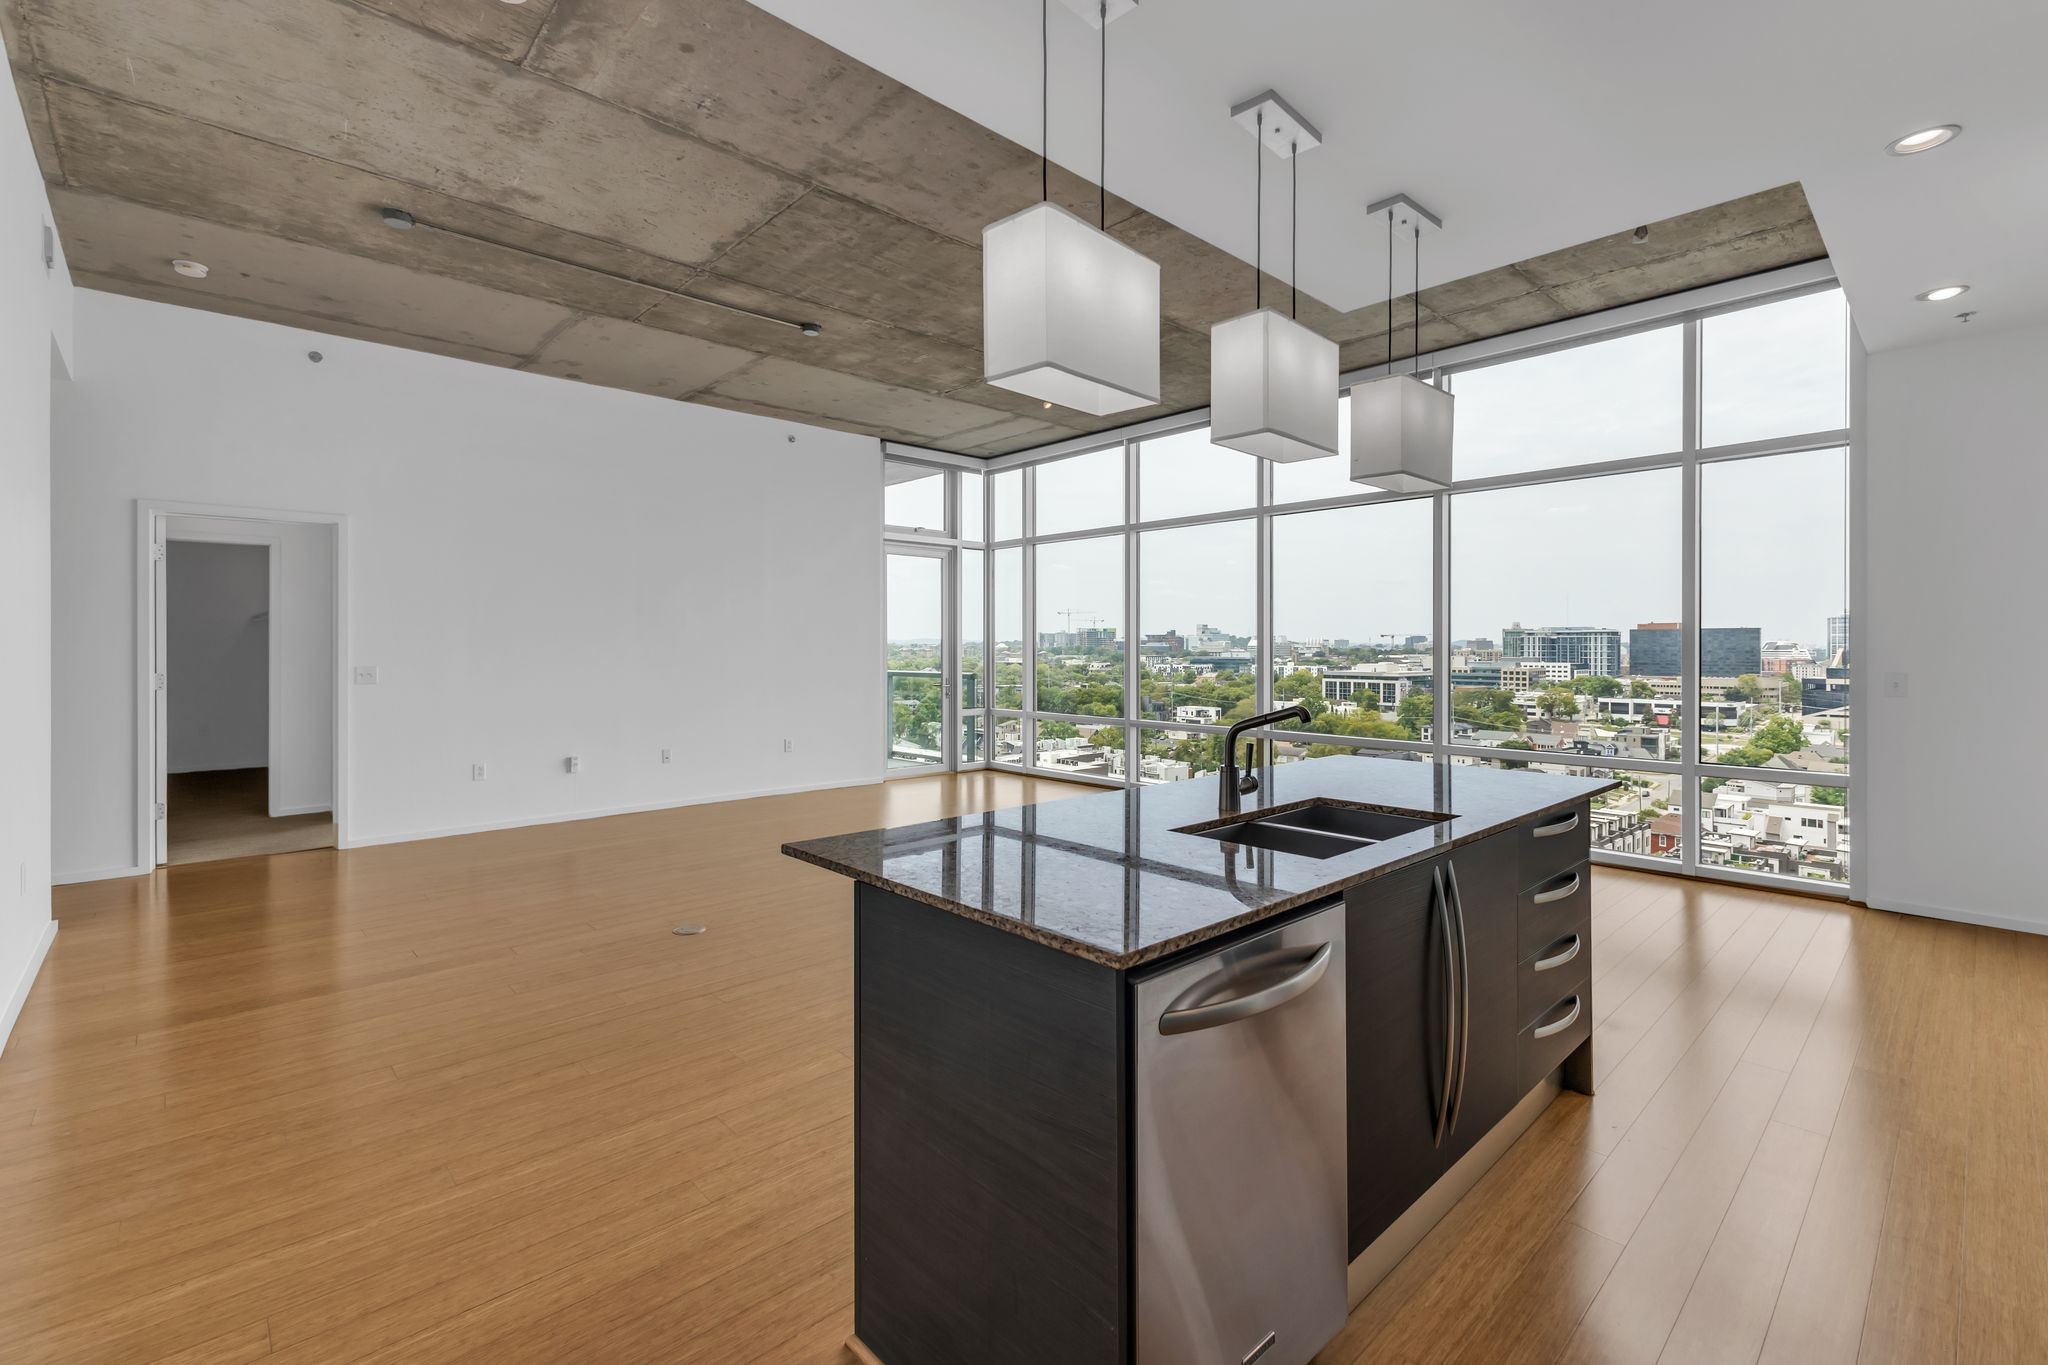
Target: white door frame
(149,515)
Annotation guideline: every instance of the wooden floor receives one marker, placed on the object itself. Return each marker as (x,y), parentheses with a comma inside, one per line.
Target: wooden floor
(470,1100)
(226,814)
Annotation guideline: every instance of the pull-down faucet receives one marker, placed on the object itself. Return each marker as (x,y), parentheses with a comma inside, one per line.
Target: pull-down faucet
(1230,786)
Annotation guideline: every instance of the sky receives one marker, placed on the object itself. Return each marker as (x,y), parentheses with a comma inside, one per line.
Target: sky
(1601,551)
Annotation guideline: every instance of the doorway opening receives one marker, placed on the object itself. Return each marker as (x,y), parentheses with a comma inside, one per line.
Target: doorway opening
(243,686)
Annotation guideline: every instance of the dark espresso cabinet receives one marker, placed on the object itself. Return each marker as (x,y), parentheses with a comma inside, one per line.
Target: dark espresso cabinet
(1438,1051)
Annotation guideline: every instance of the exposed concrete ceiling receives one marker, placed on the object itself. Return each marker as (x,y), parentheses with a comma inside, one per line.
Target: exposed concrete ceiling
(701,146)
(1530,127)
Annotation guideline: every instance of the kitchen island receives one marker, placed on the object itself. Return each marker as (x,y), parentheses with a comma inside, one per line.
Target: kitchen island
(1137,1081)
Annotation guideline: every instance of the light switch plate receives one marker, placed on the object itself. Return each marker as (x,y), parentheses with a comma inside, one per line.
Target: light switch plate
(366,675)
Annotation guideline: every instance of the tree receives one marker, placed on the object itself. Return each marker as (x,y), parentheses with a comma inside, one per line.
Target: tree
(1748,688)
(1595,685)
(1641,688)
(1057,729)
(1416,710)
(1558,703)
(1831,796)
(1779,735)
(1300,685)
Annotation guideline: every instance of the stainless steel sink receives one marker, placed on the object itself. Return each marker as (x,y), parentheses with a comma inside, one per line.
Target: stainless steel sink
(1319,829)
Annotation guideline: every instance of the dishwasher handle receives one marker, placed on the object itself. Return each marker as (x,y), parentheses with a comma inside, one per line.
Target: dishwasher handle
(1176,1019)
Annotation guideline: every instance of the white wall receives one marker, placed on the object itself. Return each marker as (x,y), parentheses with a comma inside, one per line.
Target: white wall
(535,568)
(35,339)
(301,638)
(1956,569)
(217,653)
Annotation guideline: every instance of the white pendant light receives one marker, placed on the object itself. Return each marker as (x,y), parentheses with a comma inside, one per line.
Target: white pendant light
(1272,381)
(1070,315)
(1400,425)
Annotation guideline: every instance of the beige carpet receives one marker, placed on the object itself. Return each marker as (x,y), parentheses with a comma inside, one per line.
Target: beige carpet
(226,815)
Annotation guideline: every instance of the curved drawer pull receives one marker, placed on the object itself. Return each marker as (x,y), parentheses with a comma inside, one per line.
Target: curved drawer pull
(1555,827)
(1544,964)
(1568,887)
(1561,1025)
(1245,1006)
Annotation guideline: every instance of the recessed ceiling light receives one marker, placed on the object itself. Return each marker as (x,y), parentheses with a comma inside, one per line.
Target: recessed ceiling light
(1926,140)
(512,2)
(191,269)
(1944,294)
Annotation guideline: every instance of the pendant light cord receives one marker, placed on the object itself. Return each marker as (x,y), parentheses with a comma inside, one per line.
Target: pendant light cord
(1102,126)
(1390,291)
(1415,365)
(1293,229)
(1259,216)
(1044,102)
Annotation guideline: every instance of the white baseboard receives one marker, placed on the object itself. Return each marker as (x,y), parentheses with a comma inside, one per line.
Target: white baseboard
(1982,917)
(98,874)
(599,813)
(316,808)
(18,997)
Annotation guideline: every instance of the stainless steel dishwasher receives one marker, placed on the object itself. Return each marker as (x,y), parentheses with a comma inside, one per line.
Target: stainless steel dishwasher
(1239,1129)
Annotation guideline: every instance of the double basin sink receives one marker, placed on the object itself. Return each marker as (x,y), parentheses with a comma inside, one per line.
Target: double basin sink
(1318,829)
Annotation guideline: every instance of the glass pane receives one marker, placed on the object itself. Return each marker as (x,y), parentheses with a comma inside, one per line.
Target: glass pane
(1644,816)
(1080,600)
(1184,476)
(1178,755)
(1198,614)
(970,506)
(973,692)
(1006,740)
(1352,615)
(1007,491)
(1306,480)
(973,726)
(1075,750)
(1786,827)
(1778,370)
(916,697)
(1080,492)
(1774,615)
(1547,584)
(1008,632)
(1612,400)
(913,496)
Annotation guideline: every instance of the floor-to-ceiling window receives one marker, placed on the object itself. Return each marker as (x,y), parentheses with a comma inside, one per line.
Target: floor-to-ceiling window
(1641,571)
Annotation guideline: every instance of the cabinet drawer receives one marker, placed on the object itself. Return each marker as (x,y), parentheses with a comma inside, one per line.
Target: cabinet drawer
(1558,969)
(1554,842)
(1551,1038)
(1552,908)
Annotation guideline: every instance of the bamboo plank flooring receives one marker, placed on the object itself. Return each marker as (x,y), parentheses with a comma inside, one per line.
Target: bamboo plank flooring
(470,1101)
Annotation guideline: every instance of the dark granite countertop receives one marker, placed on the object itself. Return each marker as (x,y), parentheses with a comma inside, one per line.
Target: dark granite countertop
(1111,879)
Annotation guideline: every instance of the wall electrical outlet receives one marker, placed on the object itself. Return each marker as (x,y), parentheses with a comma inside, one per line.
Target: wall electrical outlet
(573,764)
(477,772)
(366,675)
(664,756)
(789,746)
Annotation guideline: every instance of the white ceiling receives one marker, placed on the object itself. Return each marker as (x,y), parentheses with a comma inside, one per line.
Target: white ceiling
(1529,127)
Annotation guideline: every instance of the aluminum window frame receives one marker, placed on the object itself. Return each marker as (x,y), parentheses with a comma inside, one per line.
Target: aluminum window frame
(1687,312)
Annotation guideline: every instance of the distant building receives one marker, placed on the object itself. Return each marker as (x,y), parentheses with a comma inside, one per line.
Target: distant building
(1838,634)
(1383,686)
(1512,675)
(1197,715)
(1589,649)
(1166,642)
(1094,637)
(1725,651)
